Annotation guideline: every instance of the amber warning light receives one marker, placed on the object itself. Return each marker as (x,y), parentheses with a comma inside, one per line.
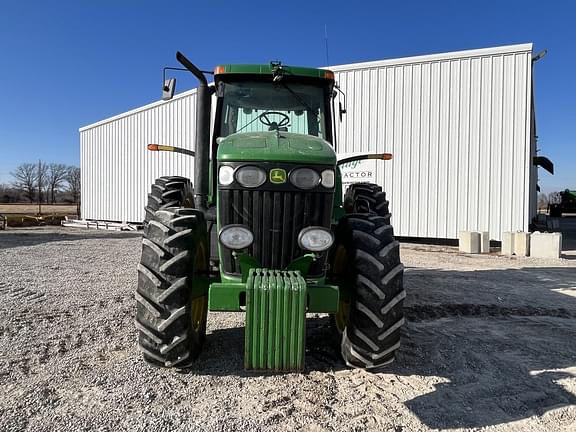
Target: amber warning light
(160,147)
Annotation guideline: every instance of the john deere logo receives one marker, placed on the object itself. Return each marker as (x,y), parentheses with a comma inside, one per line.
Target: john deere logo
(278,176)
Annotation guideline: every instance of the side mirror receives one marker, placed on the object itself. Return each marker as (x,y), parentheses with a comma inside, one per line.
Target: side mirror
(168,89)
(341,110)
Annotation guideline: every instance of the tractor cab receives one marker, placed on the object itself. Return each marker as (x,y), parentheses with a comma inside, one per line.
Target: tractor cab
(268,98)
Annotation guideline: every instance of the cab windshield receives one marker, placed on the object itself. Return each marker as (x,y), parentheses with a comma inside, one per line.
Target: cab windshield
(252,106)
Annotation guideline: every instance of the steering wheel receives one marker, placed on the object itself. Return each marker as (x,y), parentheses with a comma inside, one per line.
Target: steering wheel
(272,124)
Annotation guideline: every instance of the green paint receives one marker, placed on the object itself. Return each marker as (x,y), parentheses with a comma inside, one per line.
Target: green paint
(338,211)
(278,147)
(247,263)
(275,320)
(225,297)
(302,264)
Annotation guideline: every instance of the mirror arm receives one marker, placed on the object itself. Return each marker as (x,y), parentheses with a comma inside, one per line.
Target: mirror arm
(166,88)
(378,156)
(180,69)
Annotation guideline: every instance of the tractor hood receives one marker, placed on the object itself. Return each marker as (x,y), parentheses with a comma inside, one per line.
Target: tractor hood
(276,146)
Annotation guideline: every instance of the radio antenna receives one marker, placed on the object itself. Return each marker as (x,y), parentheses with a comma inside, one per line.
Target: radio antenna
(326,44)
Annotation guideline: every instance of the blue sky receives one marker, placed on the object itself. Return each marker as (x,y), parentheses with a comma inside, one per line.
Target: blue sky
(66,64)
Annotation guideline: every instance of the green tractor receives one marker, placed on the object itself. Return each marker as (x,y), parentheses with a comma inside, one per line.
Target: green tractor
(562,202)
(265,229)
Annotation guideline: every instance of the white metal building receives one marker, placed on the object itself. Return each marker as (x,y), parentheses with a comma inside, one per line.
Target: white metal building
(458,124)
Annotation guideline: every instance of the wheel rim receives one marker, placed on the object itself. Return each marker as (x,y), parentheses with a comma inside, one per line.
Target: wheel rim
(342,316)
(199,312)
(199,305)
(340,265)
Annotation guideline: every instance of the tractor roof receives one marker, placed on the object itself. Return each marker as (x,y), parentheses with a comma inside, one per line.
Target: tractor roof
(273,68)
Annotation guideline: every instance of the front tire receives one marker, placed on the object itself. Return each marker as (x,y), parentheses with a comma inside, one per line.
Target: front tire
(171,302)
(366,260)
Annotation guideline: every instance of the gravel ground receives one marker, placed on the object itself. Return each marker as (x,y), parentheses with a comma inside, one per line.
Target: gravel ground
(489,345)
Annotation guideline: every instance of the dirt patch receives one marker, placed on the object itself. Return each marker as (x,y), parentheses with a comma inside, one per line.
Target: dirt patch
(489,343)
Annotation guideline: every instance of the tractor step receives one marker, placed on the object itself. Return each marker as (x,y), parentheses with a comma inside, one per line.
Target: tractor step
(275,320)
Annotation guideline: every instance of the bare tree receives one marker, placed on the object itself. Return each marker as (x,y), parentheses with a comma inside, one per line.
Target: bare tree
(9,194)
(25,176)
(56,176)
(542,201)
(41,182)
(73,180)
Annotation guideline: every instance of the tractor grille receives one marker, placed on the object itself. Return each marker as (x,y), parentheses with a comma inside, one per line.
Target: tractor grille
(276,219)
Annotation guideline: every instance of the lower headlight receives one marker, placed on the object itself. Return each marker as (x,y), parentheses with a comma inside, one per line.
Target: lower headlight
(236,237)
(315,239)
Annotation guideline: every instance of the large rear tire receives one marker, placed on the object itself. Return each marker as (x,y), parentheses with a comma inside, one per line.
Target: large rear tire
(168,191)
(367,198)
(366,261)
(171,301)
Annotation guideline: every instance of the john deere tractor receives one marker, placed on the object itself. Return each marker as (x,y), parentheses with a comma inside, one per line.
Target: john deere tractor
(265,228)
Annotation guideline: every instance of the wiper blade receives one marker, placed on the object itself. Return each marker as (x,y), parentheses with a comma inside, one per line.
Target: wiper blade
(300,100)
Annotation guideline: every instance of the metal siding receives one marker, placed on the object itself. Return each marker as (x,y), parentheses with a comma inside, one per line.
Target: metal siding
(459,129)
(458,125)
(117,169)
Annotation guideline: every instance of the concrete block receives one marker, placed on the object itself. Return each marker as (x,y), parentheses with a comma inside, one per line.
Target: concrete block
(507,243)
(469,242)
(521,243)
(545,245)
(484,242)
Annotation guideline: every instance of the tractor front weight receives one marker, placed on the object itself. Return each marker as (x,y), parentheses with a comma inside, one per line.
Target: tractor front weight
(276,303)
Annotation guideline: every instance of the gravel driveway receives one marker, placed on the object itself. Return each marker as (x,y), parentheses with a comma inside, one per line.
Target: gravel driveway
(490,343)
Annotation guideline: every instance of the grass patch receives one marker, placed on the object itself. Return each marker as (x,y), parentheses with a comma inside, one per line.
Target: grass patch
(14,220)
(32,209)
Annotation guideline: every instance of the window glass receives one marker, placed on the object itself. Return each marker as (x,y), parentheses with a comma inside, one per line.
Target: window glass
(258,107)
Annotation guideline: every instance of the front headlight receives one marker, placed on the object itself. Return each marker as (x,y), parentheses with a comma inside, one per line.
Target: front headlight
(315,239)
(236,237)
(226,175)
(304,178)
(328,178)
(251,176)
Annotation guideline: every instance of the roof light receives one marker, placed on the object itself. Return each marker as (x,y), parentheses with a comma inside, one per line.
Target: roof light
(219,70)
(329,75)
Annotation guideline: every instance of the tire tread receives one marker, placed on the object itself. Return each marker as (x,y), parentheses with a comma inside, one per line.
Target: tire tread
(372,334)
